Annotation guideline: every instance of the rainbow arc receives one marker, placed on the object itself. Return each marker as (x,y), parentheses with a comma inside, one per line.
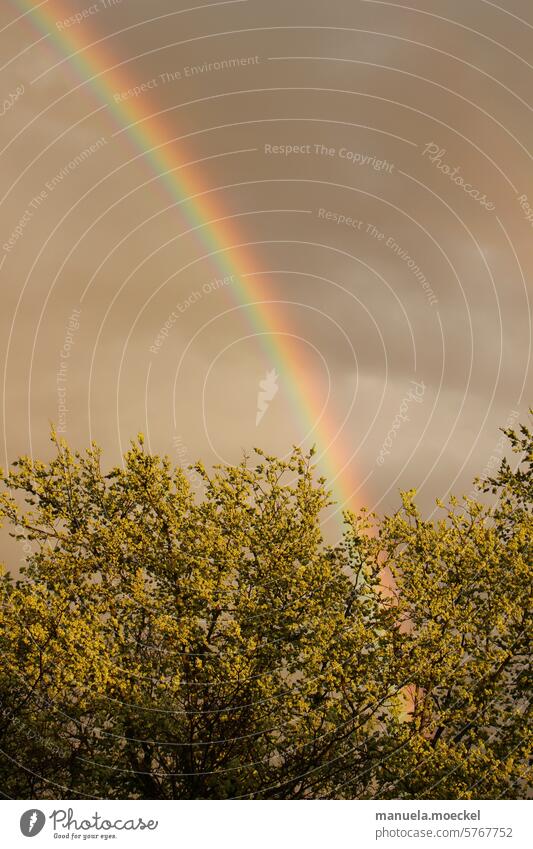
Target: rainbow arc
(147,132)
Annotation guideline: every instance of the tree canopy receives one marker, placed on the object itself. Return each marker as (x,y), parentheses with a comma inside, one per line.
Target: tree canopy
(163,645)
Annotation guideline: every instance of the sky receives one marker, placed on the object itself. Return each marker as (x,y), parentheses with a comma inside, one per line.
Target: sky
(239,224)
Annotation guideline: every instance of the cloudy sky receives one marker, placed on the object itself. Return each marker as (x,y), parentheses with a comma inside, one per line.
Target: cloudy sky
(362,169)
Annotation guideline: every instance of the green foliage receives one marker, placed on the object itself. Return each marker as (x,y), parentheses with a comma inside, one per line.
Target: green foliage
(162,646)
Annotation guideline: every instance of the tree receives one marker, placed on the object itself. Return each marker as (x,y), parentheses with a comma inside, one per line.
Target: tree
(162,646)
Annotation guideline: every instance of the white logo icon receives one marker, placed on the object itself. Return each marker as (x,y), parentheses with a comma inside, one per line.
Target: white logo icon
(32,822)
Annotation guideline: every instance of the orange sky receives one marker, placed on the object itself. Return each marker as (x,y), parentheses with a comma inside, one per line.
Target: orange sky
(378,157)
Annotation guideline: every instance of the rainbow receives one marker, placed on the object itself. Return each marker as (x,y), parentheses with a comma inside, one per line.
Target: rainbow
(97,68)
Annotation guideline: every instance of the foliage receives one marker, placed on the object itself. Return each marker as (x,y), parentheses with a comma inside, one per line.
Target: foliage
(162,646)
